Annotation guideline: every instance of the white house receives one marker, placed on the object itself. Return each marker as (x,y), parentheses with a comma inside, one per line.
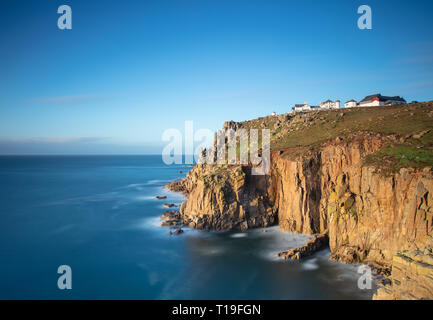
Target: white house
(329,104)
(301,107)
(376,100)
(350,104)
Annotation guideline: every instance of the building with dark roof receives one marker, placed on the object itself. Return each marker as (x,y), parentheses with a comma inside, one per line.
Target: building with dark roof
(376,100)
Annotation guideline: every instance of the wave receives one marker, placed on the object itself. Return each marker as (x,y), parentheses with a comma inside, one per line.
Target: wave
(134,186)
(239,235)
(93,198)
(145,198)
(140,185)
(153,182)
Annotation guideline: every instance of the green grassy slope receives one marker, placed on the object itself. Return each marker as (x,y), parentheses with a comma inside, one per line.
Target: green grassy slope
(411,123)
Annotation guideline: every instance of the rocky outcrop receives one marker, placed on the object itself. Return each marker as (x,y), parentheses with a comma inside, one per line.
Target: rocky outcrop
(171,219)
(169,205)
(313,245)
(411,276)
(225,198)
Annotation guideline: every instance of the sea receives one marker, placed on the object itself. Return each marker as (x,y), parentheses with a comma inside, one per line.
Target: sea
(98,215)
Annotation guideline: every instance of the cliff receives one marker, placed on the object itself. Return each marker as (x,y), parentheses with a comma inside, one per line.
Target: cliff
(411,276)
(368,216)
(225,198)
(362,176)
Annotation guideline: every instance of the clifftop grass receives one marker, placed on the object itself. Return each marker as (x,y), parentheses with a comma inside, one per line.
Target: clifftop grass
(394,157)
(412,123)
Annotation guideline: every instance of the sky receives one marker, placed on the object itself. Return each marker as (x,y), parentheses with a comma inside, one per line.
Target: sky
(129,70)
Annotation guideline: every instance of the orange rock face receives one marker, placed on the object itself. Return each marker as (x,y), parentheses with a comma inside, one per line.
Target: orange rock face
(225,198)
(369,217)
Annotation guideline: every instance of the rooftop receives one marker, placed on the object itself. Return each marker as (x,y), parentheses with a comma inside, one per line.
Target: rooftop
(381,98)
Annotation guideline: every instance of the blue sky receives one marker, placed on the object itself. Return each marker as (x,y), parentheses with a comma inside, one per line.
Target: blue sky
(128,70)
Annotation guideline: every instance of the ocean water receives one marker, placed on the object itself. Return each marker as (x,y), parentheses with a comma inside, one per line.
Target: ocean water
(99,215)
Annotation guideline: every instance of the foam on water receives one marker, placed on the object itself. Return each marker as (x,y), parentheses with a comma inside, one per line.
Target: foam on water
(239,235)
(277,241)
(152,223)
(153,182)
(144,198)
(310,264)
(92,198)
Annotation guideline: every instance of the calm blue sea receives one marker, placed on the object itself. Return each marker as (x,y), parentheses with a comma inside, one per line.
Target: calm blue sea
(99,215)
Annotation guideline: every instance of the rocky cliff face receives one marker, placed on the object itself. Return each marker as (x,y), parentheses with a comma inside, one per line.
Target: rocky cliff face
(411,276)
(381,218)
(368,216)
(225,198)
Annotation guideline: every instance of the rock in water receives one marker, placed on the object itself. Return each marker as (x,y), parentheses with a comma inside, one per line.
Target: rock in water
(178,231)
(171,219)
(313,245)
(168,205)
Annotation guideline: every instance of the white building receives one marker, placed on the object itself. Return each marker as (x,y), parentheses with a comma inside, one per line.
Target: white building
(301,107)
(376,100)
(350,104)
(329,104)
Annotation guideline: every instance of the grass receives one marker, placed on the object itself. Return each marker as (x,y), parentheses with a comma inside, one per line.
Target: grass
(394,157)
(313,129)
(326,125)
